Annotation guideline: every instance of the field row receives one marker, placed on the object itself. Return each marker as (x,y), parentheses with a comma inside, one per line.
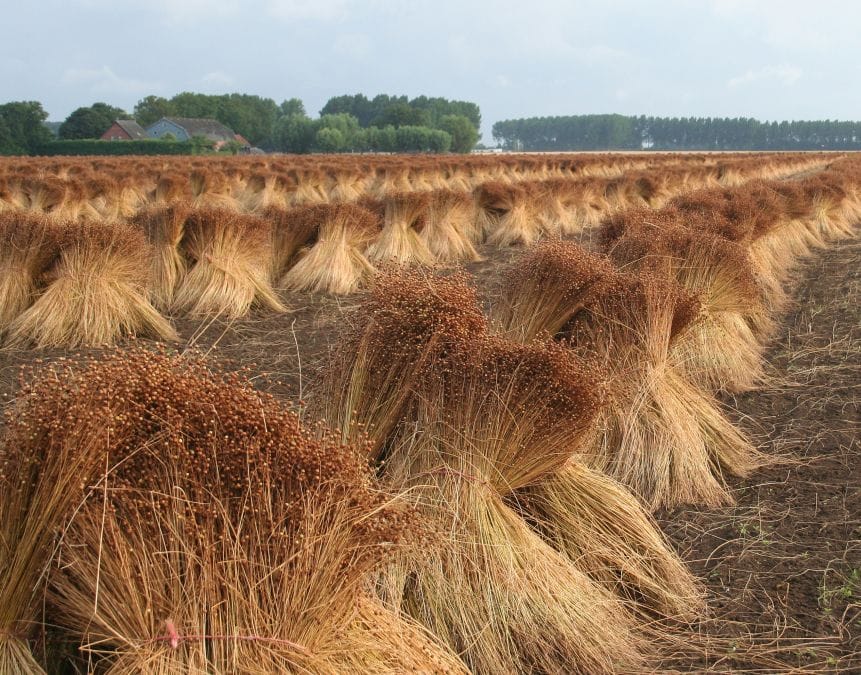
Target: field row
(70,282)
(115,189)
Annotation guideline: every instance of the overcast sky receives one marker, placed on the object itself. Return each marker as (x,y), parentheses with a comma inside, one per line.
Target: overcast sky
(770,59)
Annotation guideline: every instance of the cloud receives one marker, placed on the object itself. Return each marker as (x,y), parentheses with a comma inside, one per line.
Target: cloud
(13,66)
(172,11)
(353,45)
(602,55)
(105,80)
(218,78)
(302,10)
(785,75)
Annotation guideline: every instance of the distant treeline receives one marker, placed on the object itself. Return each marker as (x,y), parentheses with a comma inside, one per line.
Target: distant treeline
(352,123)
(620,132)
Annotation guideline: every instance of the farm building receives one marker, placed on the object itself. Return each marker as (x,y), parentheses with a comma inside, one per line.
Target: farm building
(124,130)
(184,128)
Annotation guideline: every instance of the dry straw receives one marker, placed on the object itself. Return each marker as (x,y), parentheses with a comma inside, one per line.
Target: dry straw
(494,418)
(450,231)
(508,213)
(592,519)
(335,262)
(230,270)
(290,233)
(57,436)
(603,529)
(545,287)
(402,326)
(28,247)
(164,227)
(400,240)
(662,436)
(97,291)
(220,535)
(721,351)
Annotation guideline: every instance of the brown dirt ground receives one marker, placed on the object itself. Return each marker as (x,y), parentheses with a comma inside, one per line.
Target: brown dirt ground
(783,566)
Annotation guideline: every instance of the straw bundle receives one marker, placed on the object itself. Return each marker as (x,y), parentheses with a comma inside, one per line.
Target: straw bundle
(498,417)
(289,235)
(400,240)
(403,325)
(211,189)
(661,435)
(449,230)
(604,530)
(545,287)
(231,265)
(508,212)
(96,292)
(164,227)
(721,351)
(335,262)
(225,537)
(28,246)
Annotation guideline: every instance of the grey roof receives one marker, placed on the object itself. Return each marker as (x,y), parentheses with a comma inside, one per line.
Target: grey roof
(198,126)
(132,128)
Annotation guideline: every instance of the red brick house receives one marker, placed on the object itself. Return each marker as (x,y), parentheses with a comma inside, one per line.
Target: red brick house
(125,130)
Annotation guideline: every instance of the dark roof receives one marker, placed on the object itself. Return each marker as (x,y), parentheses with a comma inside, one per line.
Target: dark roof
(132,128)
(198,126)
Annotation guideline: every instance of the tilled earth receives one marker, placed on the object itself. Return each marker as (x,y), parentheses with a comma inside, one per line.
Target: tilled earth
(783,566)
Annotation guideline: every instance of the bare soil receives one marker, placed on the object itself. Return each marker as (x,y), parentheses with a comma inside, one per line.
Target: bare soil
(783,566)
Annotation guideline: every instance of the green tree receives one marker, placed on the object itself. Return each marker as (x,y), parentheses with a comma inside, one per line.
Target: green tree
(421,139)
(152,108)
(329,139)
(22,128)
(90,122)
(464,136)
(294,133)
(292,106)
(383,139)
(200,145)
(401,114)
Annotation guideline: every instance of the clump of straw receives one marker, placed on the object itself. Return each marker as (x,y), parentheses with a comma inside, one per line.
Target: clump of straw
(496,418)
(661,435)
(403,325)
(508,213)
(231,264)
(96,292)
(545,287)
(400,240)
(221,534)
(722,351)
(335,262)
(164,227)
(604,530)
(290,233)
(450,231)
(28,246)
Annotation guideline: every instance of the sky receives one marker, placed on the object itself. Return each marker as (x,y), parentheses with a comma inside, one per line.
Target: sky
(769,59)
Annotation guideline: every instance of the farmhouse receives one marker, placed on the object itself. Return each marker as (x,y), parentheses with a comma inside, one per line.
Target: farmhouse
(124,130)
(184,128)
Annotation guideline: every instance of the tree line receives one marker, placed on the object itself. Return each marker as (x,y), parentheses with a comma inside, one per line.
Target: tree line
(620,132)
(350,123)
